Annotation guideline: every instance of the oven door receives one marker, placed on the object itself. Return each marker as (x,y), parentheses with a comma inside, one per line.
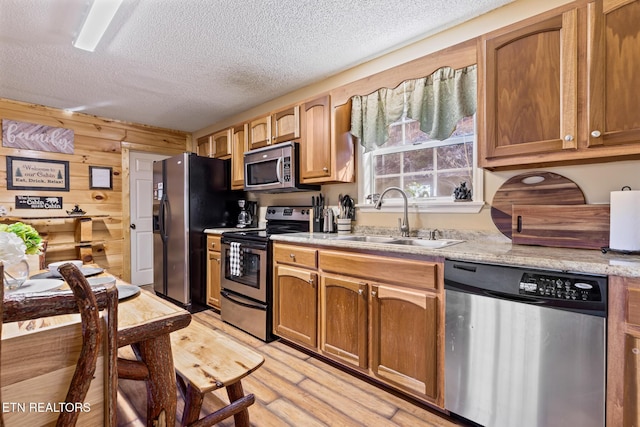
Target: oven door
(252,280)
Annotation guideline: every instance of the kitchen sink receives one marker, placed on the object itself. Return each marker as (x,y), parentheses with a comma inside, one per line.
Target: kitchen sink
(370,239)
(435,244)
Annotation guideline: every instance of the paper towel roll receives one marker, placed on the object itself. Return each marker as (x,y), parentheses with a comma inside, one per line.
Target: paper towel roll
(624,230)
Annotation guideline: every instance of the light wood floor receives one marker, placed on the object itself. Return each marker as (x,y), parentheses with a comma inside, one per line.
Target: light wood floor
(294,389)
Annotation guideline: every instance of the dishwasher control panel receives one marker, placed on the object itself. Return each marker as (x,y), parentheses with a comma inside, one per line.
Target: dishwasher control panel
(557,287)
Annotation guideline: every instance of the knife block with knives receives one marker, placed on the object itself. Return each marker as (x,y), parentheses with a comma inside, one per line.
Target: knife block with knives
(322,218)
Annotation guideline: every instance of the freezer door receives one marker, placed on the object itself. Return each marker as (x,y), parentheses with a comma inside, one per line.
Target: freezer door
(176,228)
(158,243)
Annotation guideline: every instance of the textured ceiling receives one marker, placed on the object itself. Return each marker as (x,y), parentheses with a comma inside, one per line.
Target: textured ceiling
(186,64)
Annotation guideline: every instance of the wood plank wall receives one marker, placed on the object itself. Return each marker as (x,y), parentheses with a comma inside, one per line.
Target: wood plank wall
(97,142)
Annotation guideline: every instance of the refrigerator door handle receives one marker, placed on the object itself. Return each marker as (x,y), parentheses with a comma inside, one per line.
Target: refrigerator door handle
(164,207)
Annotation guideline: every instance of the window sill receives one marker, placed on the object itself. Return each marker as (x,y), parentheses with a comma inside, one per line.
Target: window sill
(424,207)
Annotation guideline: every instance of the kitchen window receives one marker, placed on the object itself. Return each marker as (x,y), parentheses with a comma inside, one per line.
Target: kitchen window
(423,157)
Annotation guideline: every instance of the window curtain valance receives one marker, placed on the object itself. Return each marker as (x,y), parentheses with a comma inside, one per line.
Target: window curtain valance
(437,101)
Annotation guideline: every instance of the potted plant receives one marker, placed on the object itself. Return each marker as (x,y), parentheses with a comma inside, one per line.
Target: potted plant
(17,240)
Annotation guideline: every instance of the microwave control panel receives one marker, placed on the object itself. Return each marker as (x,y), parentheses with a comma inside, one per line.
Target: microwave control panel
(286,169)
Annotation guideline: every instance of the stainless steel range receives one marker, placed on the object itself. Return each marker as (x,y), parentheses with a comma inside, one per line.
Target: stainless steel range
(247,295)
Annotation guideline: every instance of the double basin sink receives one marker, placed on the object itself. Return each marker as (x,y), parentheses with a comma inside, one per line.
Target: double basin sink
(434,244)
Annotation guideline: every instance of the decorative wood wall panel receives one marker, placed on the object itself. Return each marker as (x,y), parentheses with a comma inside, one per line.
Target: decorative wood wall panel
(98,142)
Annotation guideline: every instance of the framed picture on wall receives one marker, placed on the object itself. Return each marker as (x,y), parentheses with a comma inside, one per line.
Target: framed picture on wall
(24,173)
(100,177)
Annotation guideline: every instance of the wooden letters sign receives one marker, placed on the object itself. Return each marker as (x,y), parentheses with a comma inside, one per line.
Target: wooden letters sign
(32,136)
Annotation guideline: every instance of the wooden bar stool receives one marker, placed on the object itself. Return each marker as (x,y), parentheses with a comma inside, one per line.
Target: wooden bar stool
(206,360)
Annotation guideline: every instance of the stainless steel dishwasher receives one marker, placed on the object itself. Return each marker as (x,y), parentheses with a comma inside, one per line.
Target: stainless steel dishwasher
(524,347)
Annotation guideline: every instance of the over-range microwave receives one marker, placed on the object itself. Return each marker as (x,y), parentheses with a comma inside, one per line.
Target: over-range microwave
(274,169)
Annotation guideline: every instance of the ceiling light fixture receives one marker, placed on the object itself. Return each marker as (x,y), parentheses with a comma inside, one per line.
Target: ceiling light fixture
(94,27)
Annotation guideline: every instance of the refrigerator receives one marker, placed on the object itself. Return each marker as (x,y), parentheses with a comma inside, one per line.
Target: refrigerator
(190,193)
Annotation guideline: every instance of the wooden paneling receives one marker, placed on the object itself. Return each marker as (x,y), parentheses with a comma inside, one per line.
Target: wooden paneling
(97,142)
(29,379)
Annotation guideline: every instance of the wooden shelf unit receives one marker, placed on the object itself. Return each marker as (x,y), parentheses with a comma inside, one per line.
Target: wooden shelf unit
(83,235)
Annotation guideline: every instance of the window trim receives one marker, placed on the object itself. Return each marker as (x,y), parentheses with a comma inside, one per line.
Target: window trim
(435,205)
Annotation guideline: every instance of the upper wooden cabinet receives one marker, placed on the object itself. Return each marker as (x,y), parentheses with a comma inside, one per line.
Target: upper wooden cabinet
(216,145)
(239,144)
(222,144)
(204,146)
(326,146)
(530,89)
(285,125)
(614,73)
(281,126)
(539,74)
(259,132)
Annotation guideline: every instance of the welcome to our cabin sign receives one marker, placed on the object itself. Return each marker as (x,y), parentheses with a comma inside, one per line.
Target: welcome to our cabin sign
(33,136)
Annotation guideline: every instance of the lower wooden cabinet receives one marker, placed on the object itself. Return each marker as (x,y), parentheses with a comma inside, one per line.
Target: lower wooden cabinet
(389,331)
(295,304)
(623,352)
(404,327)
(344,319)
(213,271)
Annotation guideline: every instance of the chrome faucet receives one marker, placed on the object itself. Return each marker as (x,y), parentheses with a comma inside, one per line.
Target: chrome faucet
(403,224)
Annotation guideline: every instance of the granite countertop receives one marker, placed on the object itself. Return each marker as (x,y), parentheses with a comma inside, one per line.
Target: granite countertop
(496,249)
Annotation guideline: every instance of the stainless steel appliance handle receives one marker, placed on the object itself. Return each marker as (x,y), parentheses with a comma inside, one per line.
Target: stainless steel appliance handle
(164,208)
(242,302)
(279,169)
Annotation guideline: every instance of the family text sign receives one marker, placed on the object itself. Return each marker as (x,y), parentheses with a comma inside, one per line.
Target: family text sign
(33,136)
(37,174)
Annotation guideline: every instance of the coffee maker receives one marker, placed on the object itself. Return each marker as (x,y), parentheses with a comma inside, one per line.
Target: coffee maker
(248,216)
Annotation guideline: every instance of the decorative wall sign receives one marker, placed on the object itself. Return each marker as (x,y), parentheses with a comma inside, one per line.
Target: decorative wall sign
(37,174)
(38,202)
(33,136)
(100,177)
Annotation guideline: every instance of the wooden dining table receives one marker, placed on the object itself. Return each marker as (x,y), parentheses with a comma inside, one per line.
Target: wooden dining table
(144,321)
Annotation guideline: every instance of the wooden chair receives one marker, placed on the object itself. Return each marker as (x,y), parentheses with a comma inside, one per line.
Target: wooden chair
(205,360)
(37,365)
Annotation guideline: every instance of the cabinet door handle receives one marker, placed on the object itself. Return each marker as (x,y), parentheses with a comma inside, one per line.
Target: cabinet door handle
(360,291)
(133,226)
(325,169)
(374,293)
(311,281)
(596,134)
(292,256)
(568,138)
